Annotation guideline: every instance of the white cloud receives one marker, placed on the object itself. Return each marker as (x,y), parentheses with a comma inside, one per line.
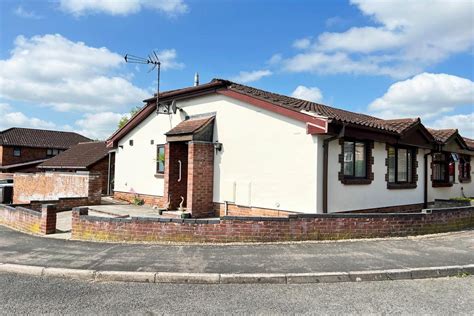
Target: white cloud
(53,71)
(168,59)
(122,7)
(250,76)
(11,118)
(302,43)
(463,122)
(403,42)
(23,13)
(308,93)
(98,125)
(426,95)
(275,59)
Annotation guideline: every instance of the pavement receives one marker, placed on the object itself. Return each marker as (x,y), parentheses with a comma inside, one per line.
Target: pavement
(412,257)
(26,295)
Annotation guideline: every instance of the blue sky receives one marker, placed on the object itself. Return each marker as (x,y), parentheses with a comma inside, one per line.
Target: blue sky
(61,63)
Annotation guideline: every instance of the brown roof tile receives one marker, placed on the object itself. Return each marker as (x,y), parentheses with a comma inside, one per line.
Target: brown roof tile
(28,137)
(442,135)
(189,126)
(80,156)
(469,142)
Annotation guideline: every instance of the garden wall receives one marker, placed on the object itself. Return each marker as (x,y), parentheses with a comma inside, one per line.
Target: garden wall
(266,229)
(54,185)
(42,221)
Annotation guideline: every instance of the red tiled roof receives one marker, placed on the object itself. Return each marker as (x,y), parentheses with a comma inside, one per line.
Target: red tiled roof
(28,137)
(442,135)
(80,156)
(395,126)
(190,126)
(469,142)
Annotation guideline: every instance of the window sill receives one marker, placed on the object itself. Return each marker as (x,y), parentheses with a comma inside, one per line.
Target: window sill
(356,181)
(442,185)
(159,175)
(401,186)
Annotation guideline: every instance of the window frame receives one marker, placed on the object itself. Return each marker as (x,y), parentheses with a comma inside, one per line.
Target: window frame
(446,161)
(369,160)
(464,167)
(15,150)
(158,172)
(400,184)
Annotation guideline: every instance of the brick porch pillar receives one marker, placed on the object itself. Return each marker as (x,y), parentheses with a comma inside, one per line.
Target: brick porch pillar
(48,219)
(200,179)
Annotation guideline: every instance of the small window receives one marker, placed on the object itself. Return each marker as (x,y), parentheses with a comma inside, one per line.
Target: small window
(130,142)
(464,168)
(400,165)
(443,166)
(355,159)
(160,159)
(17,151)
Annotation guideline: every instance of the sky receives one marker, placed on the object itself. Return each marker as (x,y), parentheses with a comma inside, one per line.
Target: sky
(62,66)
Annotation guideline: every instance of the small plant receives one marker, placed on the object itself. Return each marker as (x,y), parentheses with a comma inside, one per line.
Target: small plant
(462,199)
(463,274)
(137,201)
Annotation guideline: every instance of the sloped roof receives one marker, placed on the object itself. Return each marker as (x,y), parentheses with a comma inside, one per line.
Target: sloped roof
(394,126)
(27,137)
(442,135)
(469,142)
(189,126)
(80,156)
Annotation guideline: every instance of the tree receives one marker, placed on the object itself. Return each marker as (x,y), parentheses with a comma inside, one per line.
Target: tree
(125,118)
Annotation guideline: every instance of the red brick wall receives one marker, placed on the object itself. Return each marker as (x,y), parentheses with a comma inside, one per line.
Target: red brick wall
(200,179)
(150,200)
(296,227)
(238,210)
(55,185)
(102,167)
(27,154)
(27,220)
(391,209)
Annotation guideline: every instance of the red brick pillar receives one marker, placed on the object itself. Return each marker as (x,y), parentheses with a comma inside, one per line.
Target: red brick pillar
(48,219)
(95,188)
(200,179)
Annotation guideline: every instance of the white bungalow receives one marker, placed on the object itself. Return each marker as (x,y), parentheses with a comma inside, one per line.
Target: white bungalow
(226,148)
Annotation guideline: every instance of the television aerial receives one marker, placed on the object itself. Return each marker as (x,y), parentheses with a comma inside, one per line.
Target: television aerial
(155,62)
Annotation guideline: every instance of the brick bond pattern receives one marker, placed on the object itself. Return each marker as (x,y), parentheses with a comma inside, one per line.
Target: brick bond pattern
(41,222)
(264,229)
(46,186)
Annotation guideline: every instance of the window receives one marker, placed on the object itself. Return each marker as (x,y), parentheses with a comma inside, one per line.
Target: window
(464,168)
(16,151)
(443,169)
(160,159)
(52,152)
(355,160)
(401,164)
(130,142)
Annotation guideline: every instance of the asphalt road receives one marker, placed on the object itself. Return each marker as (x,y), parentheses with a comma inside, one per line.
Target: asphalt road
(33,295)
(436,250)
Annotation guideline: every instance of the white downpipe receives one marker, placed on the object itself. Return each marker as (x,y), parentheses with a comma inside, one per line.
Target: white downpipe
(179,162)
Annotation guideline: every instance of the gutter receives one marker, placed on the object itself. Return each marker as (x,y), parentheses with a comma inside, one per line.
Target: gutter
(325,165)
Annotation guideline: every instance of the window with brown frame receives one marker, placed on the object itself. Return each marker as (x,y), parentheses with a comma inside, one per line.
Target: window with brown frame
(160,159)
(443,166)
(401,167)
(464,168)
(356,162)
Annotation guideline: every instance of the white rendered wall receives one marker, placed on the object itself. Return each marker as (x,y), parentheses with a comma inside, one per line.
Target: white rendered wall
(346,197)
(268,160)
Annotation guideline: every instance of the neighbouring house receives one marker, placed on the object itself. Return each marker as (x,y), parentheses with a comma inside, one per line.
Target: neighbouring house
(84,157)
(23,149)
(226,148)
